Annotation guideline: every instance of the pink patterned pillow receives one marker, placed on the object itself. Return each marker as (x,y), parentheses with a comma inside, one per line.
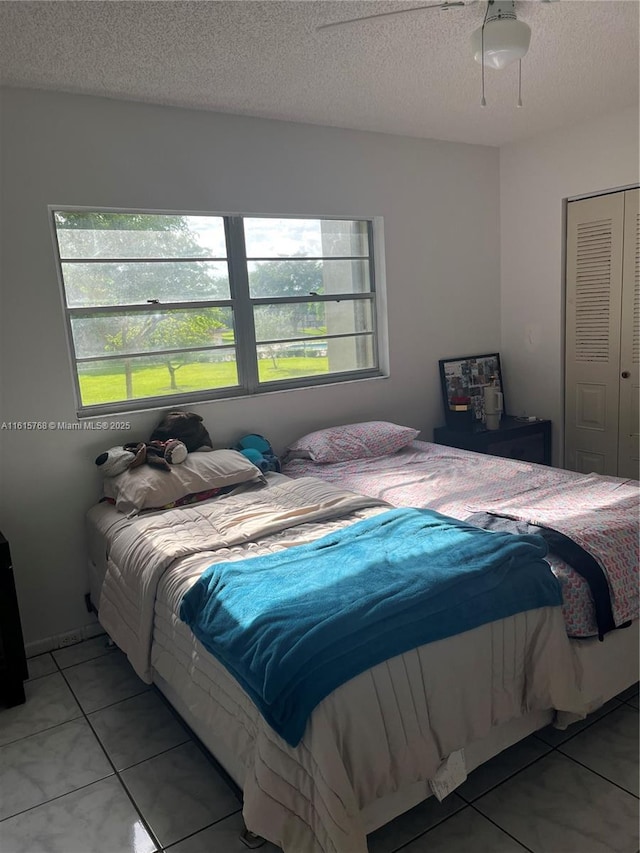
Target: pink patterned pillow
(352,441)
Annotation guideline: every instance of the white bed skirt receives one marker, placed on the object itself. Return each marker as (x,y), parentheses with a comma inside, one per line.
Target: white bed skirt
(604,670)
(383,810)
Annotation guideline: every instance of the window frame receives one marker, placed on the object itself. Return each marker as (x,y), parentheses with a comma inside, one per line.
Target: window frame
(241,303)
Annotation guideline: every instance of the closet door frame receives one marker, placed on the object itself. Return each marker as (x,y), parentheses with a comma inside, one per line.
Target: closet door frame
(592,356)
(629,418)
(606,418)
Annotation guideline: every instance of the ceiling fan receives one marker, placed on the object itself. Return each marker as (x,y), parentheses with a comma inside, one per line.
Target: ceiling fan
(501,40)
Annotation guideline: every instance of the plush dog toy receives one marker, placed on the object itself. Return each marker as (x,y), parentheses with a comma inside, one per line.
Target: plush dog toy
(159,454)
(114,461)
(258,450)
(187,427)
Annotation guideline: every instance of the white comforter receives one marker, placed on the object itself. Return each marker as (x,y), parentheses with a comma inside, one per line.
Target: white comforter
(143,550)
(381,732)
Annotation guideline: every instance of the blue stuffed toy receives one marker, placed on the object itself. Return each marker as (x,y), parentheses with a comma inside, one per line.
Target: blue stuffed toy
(258,450)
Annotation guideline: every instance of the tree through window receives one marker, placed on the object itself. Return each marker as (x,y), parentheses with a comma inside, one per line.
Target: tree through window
(201,306)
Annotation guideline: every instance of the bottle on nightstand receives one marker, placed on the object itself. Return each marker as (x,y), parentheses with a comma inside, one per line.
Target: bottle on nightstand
(460,414)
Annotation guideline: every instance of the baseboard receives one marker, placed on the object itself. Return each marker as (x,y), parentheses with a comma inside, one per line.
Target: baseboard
(62,641)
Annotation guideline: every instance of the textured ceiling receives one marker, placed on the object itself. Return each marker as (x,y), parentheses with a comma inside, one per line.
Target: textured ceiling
(409,74)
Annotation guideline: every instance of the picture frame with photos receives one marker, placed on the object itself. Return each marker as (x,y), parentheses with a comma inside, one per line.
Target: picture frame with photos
(467,376)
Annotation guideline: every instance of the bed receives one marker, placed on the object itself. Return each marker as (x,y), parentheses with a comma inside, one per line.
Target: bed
(451,703)
(600,512)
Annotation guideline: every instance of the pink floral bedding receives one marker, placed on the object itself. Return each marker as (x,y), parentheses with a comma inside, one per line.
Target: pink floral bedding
(458,483)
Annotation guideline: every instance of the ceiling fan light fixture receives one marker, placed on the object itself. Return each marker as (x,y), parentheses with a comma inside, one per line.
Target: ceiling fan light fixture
(506,40)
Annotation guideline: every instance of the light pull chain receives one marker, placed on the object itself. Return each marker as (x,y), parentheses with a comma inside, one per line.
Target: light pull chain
(483,102)
(519,104)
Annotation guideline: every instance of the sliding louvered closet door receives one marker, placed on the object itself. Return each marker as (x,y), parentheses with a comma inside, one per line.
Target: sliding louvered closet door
(601,419)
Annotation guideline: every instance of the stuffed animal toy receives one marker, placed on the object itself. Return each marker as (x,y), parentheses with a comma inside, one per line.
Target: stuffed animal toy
(158,454)
(187,427)
(258,450)
(115,461)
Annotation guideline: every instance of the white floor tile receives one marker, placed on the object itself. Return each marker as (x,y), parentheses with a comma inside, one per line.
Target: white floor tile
(95,819)
(179,793)
(557,805)
(104,681)
(79,653)
(50,801)
(629,693)
(49,702)
(465,832)
(504,765)
(222,837)
(45,765)
(41,665)
(413,823)
(137,728)
(610,747)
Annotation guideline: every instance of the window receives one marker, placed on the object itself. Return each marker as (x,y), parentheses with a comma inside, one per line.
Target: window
(183,307)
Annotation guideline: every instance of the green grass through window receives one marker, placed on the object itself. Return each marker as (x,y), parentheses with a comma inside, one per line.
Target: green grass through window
(97,387)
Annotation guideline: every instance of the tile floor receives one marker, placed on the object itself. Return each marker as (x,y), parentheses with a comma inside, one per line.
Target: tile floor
(96,762)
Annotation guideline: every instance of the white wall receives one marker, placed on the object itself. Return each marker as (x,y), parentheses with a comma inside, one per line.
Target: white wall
(440,207)
(535,177)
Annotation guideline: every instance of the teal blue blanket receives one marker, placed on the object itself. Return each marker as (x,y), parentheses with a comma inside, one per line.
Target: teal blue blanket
(294,625)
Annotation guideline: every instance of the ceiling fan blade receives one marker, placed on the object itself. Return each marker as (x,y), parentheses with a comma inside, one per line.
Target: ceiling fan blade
(445,5)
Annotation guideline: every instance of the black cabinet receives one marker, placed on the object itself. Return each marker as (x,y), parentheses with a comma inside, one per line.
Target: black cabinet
(529,441)
(13,664)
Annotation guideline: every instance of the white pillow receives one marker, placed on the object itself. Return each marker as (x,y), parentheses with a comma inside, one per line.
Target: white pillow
(151,488)
(352,441)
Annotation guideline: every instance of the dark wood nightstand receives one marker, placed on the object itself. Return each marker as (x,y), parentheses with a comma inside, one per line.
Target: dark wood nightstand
(13,663)
(529,441)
